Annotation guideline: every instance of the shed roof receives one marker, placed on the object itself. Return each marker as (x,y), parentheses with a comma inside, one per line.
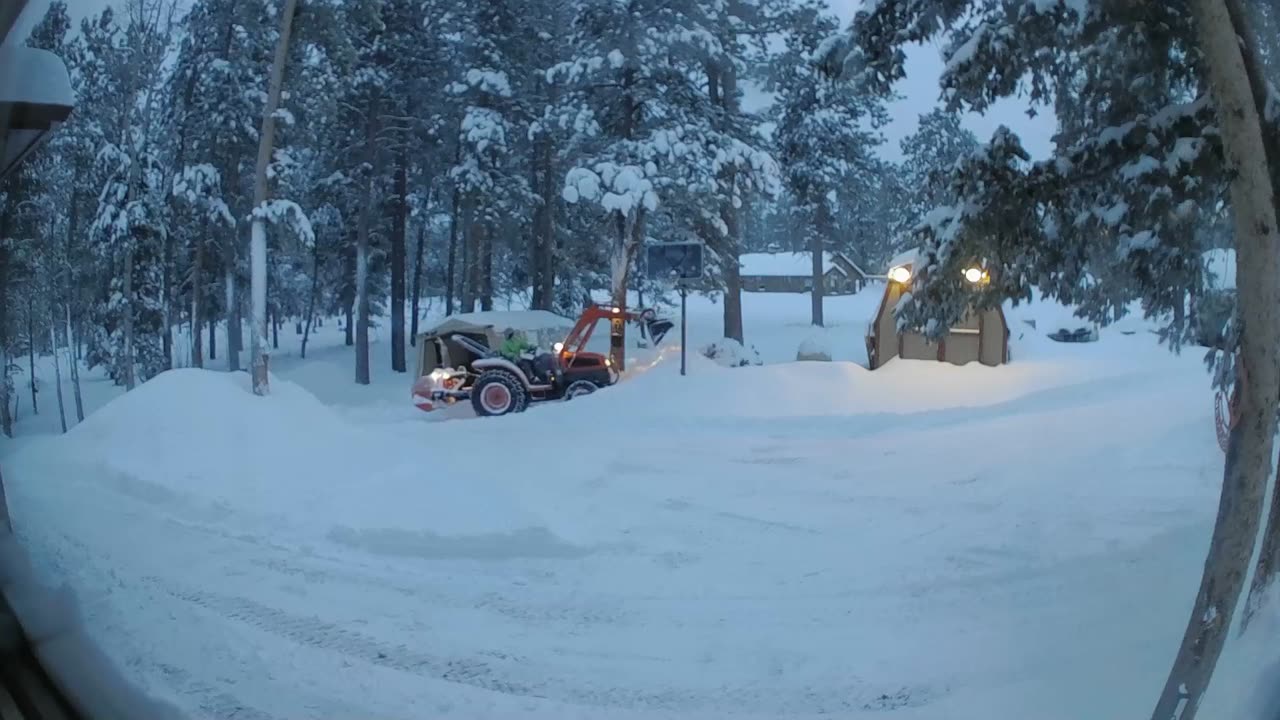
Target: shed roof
(906,257)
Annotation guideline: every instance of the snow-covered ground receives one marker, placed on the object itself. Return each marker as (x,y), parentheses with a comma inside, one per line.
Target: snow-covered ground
(791,540)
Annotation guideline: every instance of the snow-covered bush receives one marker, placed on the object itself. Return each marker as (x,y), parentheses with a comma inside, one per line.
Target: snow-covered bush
(816,347)
(728,352)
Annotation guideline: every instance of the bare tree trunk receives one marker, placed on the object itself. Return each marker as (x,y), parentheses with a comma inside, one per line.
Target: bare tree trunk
(197,298)
(817,251)
(451,272)
(547,239)
(260,358)
(362,253)
(213,338)
(732,276)
(311,301)
(74,364)
(471,257)
(166,282)
(31,351)
(1248,463)
(398,240)
(349,292)
(232,312)
(486,267)
(1268,562)
(57,373)
(6,393)
(419,253)
(275,330)
(130,365)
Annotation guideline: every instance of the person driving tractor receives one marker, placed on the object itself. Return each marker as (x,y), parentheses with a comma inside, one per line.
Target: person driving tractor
(517,348)
(515,345)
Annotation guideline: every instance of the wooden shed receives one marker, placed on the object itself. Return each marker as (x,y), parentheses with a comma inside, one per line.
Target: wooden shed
(980,336)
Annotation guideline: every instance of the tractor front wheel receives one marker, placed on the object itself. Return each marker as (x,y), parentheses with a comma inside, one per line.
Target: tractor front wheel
(580,388)
(498,392)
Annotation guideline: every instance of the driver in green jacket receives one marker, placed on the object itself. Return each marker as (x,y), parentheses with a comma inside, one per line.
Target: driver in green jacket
(515,345)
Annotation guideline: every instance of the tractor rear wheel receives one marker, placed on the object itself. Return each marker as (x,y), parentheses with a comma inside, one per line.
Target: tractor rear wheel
(498,392)
(580,388)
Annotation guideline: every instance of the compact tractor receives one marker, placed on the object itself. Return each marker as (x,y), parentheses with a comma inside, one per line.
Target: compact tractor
(497,385)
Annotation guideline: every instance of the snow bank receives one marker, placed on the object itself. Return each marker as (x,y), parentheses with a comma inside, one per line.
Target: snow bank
(201,447)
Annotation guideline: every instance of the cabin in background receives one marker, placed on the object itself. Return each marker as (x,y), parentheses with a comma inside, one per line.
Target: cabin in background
(792,272)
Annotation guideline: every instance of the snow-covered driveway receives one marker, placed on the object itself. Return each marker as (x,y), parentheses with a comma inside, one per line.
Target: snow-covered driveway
(786,541)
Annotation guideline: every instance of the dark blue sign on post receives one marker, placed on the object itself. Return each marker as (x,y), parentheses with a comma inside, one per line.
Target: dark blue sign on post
(674,261)
(679,263)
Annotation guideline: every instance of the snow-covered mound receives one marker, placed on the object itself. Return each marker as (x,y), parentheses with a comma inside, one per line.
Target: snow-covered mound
(199,445)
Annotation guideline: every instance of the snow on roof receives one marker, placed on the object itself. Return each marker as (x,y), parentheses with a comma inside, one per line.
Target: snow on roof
(785,264)
(906,257)
(525,320)
(1222,263)
(28,75)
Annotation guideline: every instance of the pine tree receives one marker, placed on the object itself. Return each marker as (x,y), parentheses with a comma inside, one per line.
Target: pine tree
(826,139)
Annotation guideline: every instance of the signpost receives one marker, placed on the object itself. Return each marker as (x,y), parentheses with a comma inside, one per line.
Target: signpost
(680,263)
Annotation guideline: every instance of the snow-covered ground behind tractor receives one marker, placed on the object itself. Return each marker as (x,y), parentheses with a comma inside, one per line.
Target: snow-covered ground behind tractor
(791,540)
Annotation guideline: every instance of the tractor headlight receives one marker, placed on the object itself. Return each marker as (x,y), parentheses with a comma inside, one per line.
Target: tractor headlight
(900,274)
(558,347)
(975,275)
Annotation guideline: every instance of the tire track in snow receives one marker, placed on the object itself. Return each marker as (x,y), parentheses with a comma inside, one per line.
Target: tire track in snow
(210,700)
(322,635)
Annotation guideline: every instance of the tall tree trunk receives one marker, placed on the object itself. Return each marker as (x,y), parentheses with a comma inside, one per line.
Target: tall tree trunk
(275,330)
(545,250)
(398,240)
(6,381)
(486,267)
(732,275)
(6,393)
(232,311)
(74,364)
(130,363)
(470,256)
(732,216)
(349,292)
(451,272)
(31,350)
(311,301)
(197,297)
(419,254)
(1248,462)
(817,246)
(213,337)
(362,252)
(1268,562)
(166,284)
(260,358)
(57,373)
